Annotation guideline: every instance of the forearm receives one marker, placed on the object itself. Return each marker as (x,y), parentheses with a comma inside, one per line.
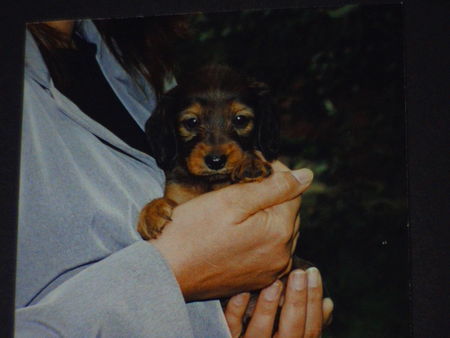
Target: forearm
(122,295)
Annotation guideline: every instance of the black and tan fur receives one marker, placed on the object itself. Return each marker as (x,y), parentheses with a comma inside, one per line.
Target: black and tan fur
(204,134)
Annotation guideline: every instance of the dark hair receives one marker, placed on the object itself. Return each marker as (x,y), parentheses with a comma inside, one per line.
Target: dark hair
(142,45)
(48,40)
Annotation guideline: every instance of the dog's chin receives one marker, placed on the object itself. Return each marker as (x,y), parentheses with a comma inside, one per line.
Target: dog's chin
(216,178)
(213,175)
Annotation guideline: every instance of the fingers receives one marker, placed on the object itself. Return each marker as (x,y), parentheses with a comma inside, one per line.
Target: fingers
(314,320)
(303,312)
(279,166)
(293,313)
(278,188)
(301,315)
(261,324)
(327,310)
(295,234)
(234,313)
(289,209)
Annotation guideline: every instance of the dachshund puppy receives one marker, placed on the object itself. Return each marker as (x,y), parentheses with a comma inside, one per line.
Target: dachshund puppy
(204,134)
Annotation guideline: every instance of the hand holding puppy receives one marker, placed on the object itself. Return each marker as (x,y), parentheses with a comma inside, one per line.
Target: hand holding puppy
(235,239)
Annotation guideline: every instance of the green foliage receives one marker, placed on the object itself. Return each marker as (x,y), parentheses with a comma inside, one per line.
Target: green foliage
(341,11)
(337,80)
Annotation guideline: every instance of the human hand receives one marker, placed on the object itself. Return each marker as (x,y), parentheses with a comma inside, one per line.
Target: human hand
(303,312)
(235,239)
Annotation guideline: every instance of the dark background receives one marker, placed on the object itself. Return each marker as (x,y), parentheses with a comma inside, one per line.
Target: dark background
(427,61)
(336,76)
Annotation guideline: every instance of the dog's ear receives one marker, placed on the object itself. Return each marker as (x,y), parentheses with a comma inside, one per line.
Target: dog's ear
(267,121)
(160,130)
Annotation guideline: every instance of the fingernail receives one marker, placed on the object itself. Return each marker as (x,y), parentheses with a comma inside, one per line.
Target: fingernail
(239,299)
(313,277)
(281,300)
(272,292)
(328,304)
(298,279)
(304,176)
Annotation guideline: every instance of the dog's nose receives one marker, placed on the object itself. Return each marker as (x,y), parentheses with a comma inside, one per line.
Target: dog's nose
(215,162)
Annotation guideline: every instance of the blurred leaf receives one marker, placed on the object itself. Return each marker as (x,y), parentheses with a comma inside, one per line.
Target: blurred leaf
(329,106)
(342,11)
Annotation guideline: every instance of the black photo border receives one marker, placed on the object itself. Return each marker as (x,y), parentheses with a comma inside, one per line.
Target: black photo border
(426,46)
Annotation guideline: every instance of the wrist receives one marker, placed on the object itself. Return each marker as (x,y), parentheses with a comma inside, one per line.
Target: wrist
(179,266)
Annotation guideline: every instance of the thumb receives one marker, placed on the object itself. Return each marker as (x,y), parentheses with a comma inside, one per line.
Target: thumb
(248,198)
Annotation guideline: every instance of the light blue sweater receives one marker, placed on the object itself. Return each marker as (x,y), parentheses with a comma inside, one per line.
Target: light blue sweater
(82,269)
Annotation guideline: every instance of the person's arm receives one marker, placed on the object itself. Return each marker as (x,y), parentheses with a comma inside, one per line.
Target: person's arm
(235,239)
(121,296)
(82,270)
(223,245)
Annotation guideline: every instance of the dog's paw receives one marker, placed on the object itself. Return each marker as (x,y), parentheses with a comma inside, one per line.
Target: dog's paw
(154,217)
(251,169)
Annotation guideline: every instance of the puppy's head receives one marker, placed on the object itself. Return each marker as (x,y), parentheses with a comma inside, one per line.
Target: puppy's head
(210,120)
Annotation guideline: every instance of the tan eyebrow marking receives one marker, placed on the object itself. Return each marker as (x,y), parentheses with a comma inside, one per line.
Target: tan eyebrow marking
(242,109)
(186,115)
(238,108)
(193,111)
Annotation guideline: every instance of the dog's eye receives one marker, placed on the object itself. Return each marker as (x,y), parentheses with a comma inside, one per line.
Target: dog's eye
(241,121)
(191,123)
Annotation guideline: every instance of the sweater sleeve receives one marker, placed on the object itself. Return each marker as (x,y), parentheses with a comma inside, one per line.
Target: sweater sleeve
(82,270)
(116,297)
